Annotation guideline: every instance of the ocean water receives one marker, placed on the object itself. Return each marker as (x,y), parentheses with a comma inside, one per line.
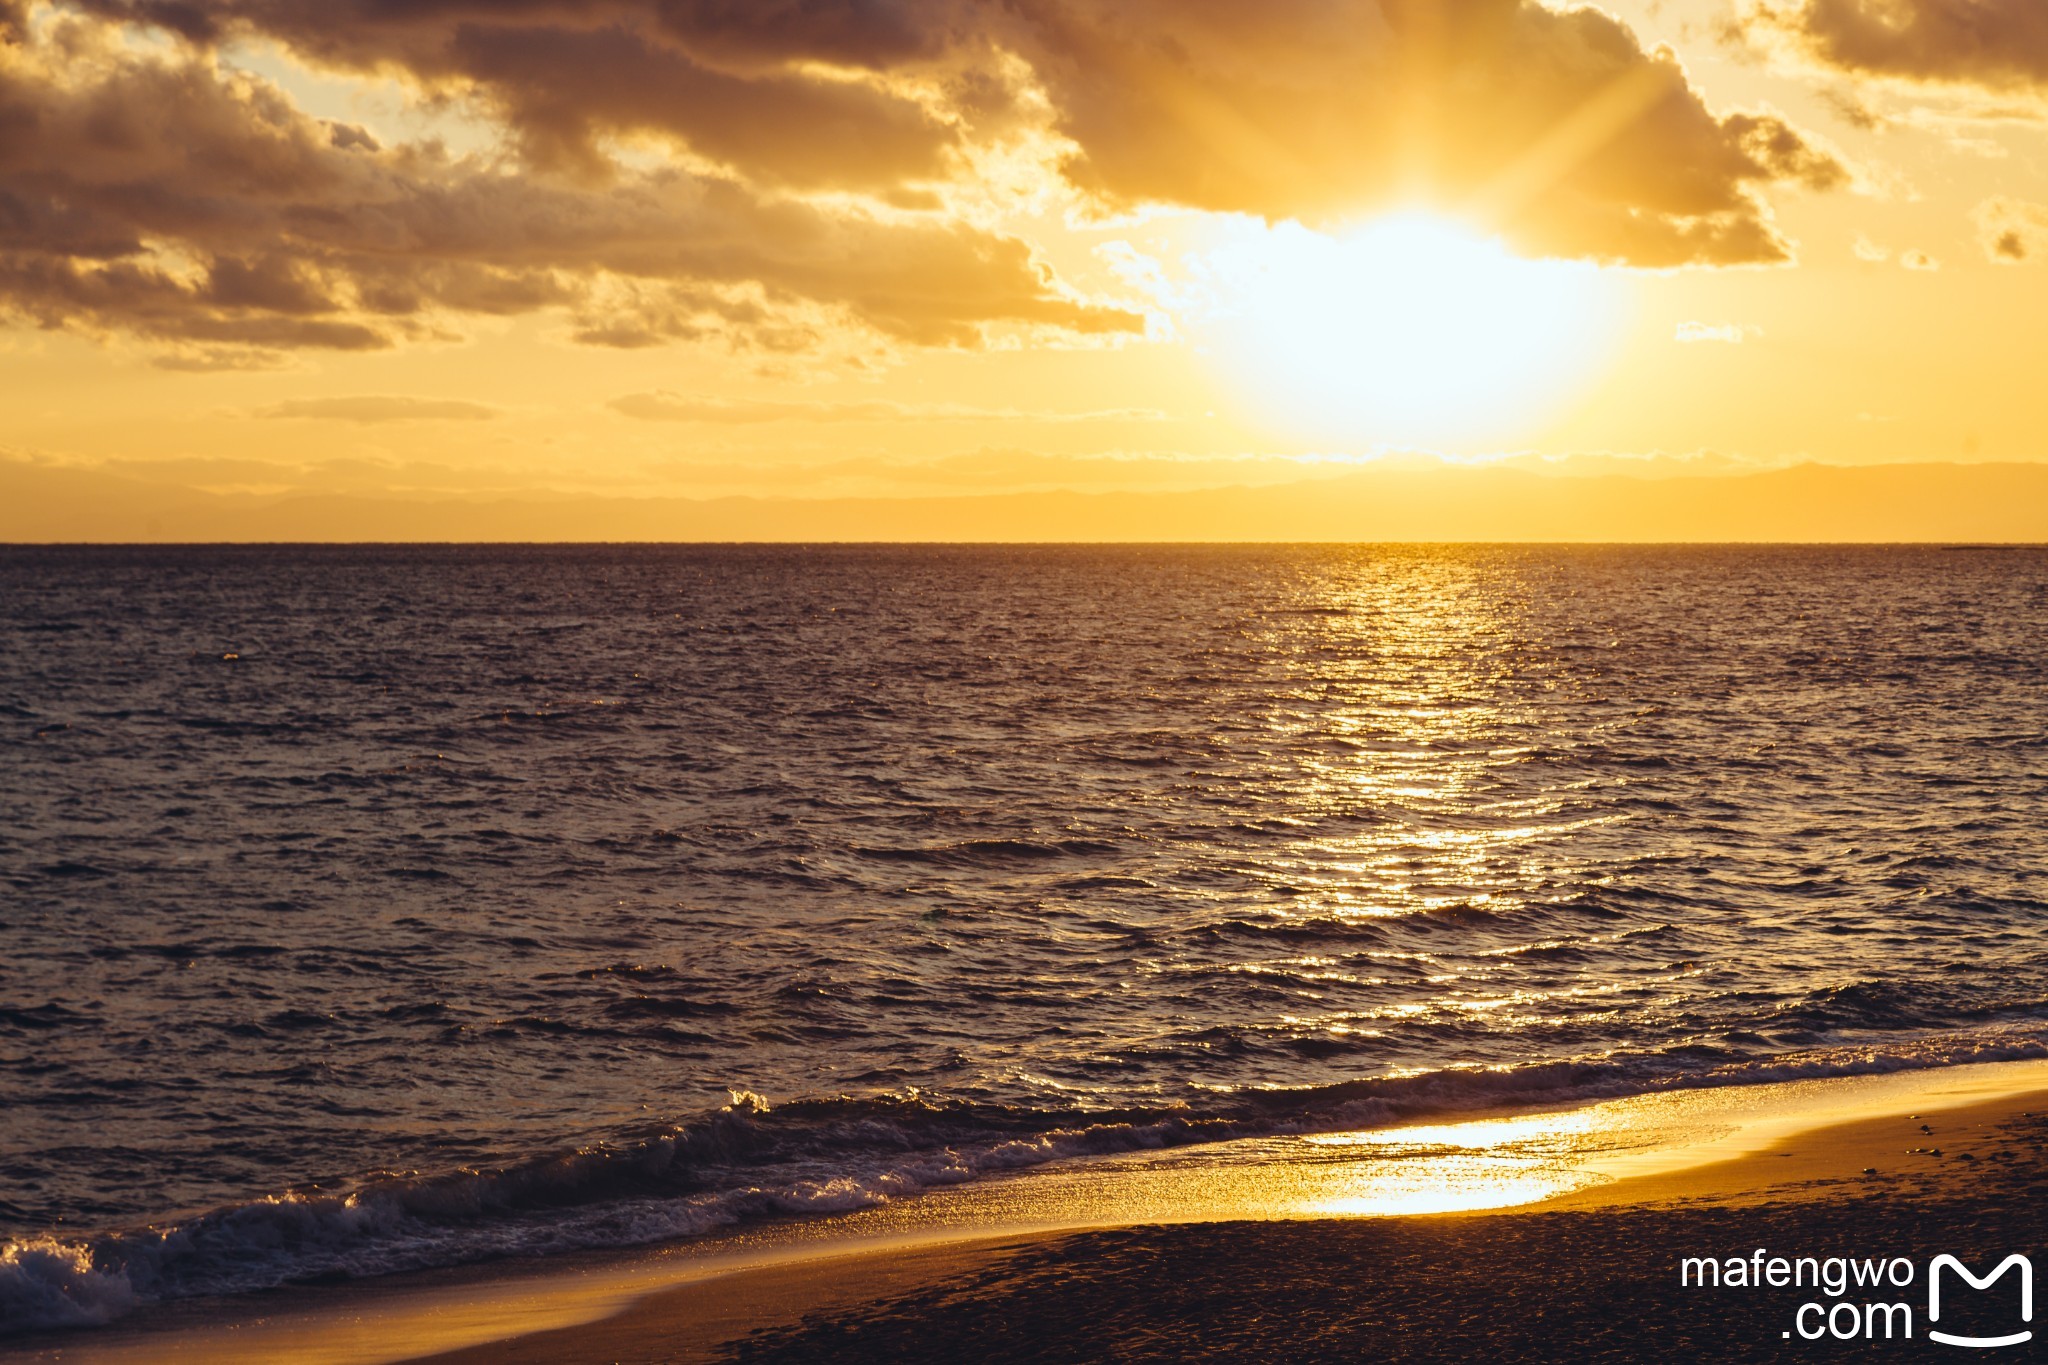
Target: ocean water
(367,908)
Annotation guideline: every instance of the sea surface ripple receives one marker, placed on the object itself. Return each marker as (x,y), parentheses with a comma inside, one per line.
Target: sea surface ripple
(373,907)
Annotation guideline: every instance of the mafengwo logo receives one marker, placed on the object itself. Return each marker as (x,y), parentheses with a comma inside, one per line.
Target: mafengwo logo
(2015,1261)
(1880,1312)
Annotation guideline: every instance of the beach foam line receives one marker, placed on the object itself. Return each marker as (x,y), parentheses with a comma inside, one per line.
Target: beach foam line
(1609,1151)
(1635,1150)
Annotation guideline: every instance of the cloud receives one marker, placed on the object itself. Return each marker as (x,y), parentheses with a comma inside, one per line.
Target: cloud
(1553,125)
(732,83)
(1918,260)
(777,175)
(1853,110)
(672,407)
(1992,44)
(380,408)
(163,193)
(2012,231)
(1730,333)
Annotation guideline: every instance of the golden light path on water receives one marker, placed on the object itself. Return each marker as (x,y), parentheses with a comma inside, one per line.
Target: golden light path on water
(1415,698)
(1427,742)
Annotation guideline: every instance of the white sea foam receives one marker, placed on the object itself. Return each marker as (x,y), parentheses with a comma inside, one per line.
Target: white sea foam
(48,1283)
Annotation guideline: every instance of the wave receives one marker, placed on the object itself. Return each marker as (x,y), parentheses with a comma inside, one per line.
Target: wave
(980,853)
(749,1161)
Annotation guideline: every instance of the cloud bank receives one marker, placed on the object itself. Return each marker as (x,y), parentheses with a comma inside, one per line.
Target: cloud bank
(1992,44)
(773,173)
(1555,125)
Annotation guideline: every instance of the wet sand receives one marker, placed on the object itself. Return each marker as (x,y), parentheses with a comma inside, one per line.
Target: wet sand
(1591,1275)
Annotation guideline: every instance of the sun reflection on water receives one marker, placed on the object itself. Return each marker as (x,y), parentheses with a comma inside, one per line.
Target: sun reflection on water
(1464,1186)
(1459,1167)
(1416,738)
(1425,784)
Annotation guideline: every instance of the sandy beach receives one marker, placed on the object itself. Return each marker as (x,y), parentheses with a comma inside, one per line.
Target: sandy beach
(1905,1166)
(1593,1275)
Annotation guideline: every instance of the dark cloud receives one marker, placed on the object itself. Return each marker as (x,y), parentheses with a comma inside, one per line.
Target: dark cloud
(559,89)
(121,295)
(173,198)
(739,34)
(1996,44)
(1554,124)
(155,190)
(720,78)
(1555,121)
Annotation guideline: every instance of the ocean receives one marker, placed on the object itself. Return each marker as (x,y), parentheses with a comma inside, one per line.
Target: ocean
(373,908)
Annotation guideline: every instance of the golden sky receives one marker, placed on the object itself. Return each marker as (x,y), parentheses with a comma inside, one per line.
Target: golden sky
(658,249)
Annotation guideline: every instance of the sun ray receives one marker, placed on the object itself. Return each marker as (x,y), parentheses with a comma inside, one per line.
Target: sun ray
(1572,140)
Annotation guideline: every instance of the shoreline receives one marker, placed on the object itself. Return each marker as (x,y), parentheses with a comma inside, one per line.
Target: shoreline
(1789,1143)
(1796,1165)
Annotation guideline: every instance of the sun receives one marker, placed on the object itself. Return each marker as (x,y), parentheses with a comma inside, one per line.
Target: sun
(1410,331)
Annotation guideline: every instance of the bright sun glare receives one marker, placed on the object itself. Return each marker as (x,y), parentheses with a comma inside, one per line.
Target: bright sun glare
(1411,331)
